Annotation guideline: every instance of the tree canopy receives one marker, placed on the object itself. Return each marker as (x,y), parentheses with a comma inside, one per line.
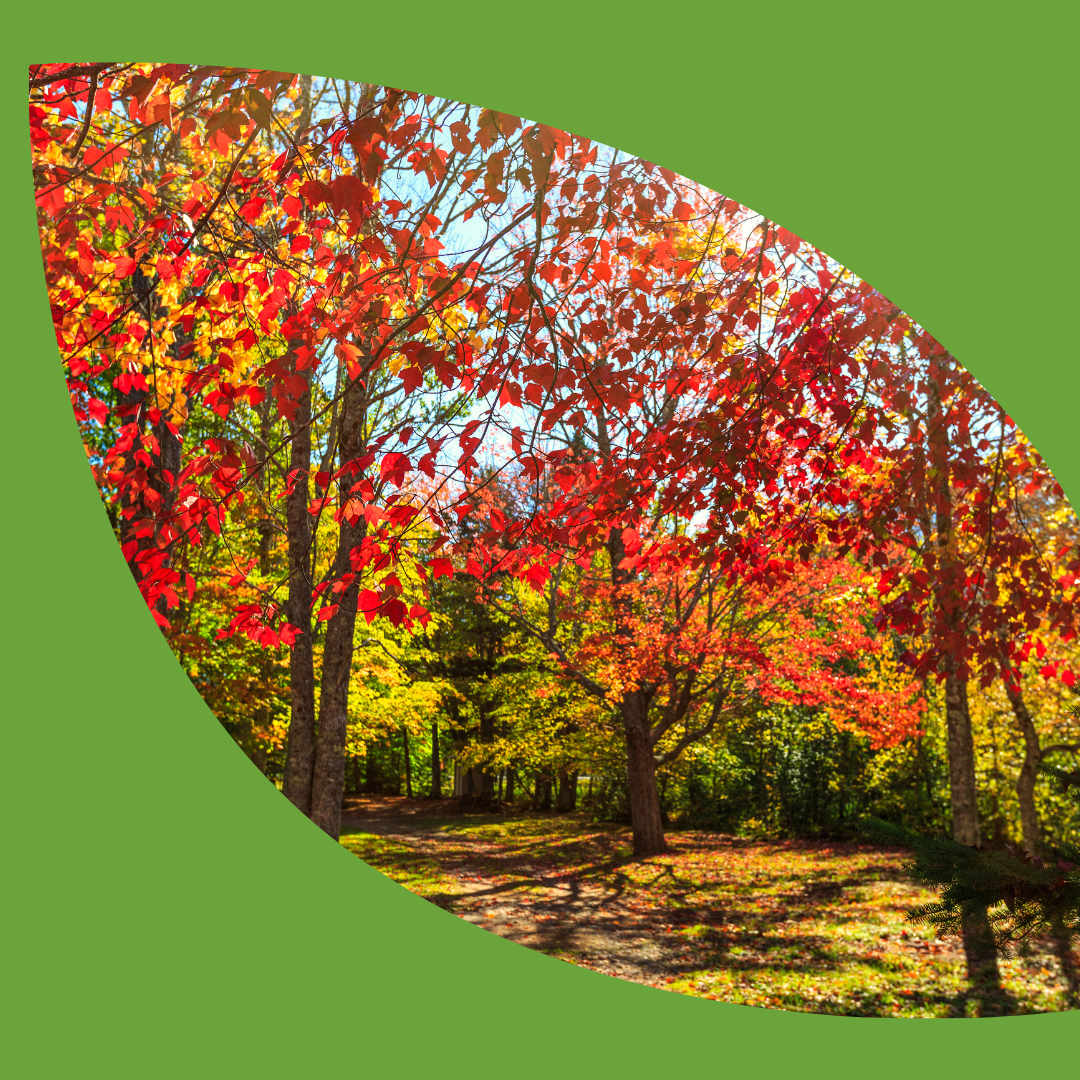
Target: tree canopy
(431,411)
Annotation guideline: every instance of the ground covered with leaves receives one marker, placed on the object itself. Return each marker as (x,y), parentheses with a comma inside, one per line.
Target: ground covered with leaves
(809,926)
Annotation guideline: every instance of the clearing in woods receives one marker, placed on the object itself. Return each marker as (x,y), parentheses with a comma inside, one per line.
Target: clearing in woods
(803,925)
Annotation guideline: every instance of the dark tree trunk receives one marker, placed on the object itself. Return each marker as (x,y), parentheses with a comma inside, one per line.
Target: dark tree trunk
(982,962)
(327,773)
(542,799)
(328,780)
(436,762)
(300,749)
(965,803)
(408,760)
(509,795)
(475,783)
(567,798)
(646,819)
(487,776)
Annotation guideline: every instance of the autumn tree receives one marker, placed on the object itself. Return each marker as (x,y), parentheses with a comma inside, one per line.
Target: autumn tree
(253,274)
(403,280)
(967,580)
(676,651)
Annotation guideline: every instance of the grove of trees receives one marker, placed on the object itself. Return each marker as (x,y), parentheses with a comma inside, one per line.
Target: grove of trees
(456,454)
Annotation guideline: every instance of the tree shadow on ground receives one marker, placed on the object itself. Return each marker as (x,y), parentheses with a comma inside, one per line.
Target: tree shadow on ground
(790,925)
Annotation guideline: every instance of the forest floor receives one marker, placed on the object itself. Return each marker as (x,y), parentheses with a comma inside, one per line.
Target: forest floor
(801,925)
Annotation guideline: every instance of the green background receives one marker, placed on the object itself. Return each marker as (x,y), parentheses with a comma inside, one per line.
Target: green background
(168,913)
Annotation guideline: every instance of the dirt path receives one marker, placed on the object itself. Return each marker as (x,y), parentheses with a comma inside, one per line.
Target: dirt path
(561,915)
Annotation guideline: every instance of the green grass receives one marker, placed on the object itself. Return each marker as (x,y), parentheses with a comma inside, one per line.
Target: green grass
(815,927)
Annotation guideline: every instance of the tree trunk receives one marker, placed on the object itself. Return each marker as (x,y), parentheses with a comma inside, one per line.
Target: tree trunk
(300,750)
(979,950)
(509,796)
(965,804)
(645,817)
(1029,771)
(328,781)
(408,761)
(567,798)
(436,762)
(487,776)
(542,798)
(646,820)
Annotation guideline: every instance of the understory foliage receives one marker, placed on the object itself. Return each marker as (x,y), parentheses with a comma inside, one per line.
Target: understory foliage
(1024,893)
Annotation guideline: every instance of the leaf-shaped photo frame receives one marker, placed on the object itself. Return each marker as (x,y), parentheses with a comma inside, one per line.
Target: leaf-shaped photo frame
(712,513)
(199,834)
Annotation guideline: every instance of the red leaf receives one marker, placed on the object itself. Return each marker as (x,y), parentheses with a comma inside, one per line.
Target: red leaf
(251,210)
(440,568)
(395,611)
(316,192)
(368,602)
(412,378)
